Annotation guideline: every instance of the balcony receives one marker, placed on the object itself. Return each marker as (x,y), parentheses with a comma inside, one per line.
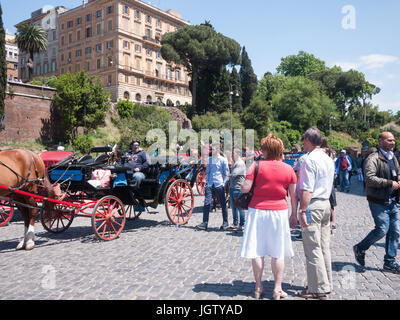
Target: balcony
(151,41)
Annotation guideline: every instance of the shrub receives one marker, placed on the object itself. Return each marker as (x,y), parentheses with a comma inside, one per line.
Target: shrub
(83,143)
(125,108)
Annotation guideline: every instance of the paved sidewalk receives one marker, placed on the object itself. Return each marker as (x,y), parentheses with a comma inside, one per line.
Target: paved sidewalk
(154,260)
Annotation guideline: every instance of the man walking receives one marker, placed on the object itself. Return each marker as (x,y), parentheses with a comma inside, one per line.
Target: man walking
(316,182)
(217,176)
(343,169)
(381,172)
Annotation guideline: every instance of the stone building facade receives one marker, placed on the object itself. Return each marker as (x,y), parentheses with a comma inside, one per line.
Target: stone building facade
(119,41)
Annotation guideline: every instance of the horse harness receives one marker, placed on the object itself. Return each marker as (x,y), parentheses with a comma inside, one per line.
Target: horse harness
(26,179)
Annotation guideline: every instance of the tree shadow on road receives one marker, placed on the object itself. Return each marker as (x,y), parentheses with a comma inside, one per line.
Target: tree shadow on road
(241,288)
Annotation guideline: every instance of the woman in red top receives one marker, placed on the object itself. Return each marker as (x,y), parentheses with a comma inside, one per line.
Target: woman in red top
(267,229)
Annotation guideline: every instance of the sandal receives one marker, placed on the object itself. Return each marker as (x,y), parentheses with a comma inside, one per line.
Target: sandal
(308,295)
(258,294)
(278,295)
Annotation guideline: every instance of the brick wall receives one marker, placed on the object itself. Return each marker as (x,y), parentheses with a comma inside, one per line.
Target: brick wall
(29,114)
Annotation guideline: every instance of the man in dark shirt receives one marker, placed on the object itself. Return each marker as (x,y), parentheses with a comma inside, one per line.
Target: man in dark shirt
(137,160)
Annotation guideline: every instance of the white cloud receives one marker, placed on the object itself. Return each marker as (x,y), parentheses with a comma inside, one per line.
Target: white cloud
(391,76)
(376,61)
(370,62)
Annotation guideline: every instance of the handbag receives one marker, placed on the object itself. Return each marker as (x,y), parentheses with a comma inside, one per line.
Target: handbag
(243,201)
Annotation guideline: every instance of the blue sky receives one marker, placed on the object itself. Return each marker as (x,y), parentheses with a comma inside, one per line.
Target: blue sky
(272,29)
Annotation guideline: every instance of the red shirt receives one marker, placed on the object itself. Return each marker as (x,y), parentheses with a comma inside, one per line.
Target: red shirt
(272,181)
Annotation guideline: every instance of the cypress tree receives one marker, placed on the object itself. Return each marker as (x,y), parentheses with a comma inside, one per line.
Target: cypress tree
(248,79)
(3,64)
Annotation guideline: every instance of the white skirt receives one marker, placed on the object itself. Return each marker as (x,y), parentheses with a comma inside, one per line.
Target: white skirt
(266,232)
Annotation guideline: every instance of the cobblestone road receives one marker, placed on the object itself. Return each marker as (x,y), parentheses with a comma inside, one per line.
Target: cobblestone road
(154,260)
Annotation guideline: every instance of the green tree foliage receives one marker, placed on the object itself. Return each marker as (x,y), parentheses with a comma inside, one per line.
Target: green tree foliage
(219,121)
(301,64)
(82,102)
(258,115)
(303,104)
(248,79)
(125,108)
(270,85)
(198,46)
(31,39)
(83,143)
(3,64)
(143,119)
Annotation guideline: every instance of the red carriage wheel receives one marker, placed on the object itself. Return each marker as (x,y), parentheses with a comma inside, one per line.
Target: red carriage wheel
(131,213)
(6,212)
(179,202)
(108,218)
(58,219)
(201,182)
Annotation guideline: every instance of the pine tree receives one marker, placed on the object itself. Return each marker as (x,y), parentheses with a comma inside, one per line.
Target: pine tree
(3,64)
(248,79)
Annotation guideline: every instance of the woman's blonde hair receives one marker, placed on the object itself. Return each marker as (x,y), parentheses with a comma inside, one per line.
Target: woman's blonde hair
(273,146)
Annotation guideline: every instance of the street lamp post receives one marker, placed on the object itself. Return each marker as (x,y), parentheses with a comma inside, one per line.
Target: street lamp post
(230,103)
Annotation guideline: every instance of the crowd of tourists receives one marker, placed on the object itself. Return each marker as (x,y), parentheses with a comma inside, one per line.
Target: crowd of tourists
(309,187)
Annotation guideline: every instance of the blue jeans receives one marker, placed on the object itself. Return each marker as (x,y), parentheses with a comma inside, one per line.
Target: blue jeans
(138,177)
(233,195)
(208,202)
(386,224)
(344,180)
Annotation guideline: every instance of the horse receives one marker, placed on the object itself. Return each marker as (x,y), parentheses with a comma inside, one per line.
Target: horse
(23,170)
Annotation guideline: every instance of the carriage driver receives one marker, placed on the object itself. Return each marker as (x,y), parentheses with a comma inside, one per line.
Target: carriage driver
(138,161)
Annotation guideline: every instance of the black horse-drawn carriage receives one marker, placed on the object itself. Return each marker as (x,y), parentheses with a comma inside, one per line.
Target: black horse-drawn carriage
(117,198)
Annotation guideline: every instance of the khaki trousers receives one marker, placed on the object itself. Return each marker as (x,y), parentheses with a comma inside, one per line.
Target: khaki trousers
(316,243)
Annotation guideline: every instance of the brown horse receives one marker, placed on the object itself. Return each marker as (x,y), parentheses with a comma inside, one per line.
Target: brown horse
(25,171)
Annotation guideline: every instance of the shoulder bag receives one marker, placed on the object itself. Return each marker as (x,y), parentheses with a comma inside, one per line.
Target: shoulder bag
(242,202)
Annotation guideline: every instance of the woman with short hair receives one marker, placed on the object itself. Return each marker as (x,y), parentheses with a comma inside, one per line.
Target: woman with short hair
(267,230)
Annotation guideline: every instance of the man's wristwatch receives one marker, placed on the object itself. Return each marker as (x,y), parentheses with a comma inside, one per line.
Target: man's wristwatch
(303,211)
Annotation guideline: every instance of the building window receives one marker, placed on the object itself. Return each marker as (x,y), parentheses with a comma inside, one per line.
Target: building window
(88,50)
(148,19)
(138,97)
(137,14)
(110,61)
(77,67)
(148,52)
(98,14)
(89,17)
(87,66)
(98,47)
(98,63)
(70,24)
(62,57)
(110,25)
(78,52)
(78,35)
(62,40)
(126,9)
(178,75)
(159,54)
(70,38)
(126,44)
(109,9)
(159,23)
(53,66)
(45,68)
(109,44)
(98,28)
(79,21)
(109,83)
(88,32)
(126,95)
(137,48)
